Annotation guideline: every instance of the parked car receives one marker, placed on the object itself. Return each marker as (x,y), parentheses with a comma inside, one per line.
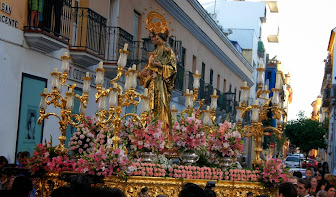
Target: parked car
(302,170)
(311,163)
(292,162)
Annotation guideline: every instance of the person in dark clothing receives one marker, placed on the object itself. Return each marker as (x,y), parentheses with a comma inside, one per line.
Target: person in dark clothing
(52,10)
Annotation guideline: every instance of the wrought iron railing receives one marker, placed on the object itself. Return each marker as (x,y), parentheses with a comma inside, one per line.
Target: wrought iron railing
(201,90)
(208,92)
(89,32)
(179,77)
(56,18)
(116,38)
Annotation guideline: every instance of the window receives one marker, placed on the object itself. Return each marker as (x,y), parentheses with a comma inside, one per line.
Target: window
(183,56)
(211,76)
(218,81)
(224,86)
(203,70)
(136,18)
(194,64)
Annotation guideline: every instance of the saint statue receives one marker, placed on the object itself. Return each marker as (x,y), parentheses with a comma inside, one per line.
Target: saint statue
(160,72)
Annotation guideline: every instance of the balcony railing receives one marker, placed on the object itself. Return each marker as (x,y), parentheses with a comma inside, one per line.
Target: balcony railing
(56,19)
(116,38)
(89,31)
(326,97)
(179,77)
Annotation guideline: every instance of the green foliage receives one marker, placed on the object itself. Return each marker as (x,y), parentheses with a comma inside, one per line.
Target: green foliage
(306,134)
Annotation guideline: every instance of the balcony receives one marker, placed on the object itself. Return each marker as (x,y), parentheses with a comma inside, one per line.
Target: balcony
(261,49)
(326,97)
(53,32)
(89,37)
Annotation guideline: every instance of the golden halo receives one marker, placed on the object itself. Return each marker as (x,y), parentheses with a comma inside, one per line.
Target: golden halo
(156,23)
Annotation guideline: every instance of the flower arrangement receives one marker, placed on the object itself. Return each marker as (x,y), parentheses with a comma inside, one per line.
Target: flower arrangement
(82,141)
(60,163)
(226,140)
(242,175)
(103,161)
(188,134)
(273,172)
(150,138)
(193,172)
(42,155)
(148,169)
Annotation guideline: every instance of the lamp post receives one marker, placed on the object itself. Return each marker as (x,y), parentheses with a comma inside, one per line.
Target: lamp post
(228,98)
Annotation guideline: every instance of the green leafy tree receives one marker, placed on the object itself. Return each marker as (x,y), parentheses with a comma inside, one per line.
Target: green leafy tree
(306,134)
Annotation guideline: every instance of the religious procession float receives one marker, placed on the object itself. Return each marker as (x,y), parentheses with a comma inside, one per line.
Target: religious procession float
(161,148)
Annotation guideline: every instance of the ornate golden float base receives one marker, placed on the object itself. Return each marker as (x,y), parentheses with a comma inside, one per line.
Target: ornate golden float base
(167,186)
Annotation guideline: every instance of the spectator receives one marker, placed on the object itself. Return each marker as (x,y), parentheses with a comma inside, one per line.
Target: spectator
(322,193)
(297,174)
(303,188)
(331,179)
(330,189)
(107,192)
(319,175)
(23,159)
(144,192)
(35,8)
(191,190)
(80,186)
(61,192)
(22,186)
(161,195)
(249,194)
(325,167)
(313,185)
(321,185)
(287,189)
(309,173)
(3,161)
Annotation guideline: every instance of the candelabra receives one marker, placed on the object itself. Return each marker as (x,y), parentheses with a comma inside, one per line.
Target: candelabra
(65,103)
(209,115)
(119,98)
(260,109)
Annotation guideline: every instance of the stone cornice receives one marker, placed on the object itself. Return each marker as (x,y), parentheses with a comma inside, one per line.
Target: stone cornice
(194,29)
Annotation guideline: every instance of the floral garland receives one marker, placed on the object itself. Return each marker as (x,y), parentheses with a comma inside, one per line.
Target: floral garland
(148,169)
(226,140)
(188,134)
(193,172)
(242,175)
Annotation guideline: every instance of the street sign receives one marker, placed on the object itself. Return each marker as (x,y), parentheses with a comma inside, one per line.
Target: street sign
(271,145)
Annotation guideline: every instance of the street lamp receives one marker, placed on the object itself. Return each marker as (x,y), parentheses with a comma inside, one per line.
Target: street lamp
(229,98)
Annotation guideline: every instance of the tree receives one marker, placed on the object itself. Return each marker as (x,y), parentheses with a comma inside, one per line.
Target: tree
(306,134)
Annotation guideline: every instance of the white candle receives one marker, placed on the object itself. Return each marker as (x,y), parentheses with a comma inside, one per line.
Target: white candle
(266,87)
(187,91)
(215,92)
(66,54)
(191,92)
(70,90)
(133,67)
(262,65)
(115,85)
(245,84)
(125,46)
(277,85)
(208,108)
(146,92)
(197,72)
(256,102)
(101,64)
(55,70)
(45,90)
(173,107)
(87,74)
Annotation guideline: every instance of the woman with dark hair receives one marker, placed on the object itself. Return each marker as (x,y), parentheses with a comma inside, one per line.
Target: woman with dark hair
(331,190)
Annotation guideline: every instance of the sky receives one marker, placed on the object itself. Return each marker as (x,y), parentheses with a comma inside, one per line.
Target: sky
(304,32)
